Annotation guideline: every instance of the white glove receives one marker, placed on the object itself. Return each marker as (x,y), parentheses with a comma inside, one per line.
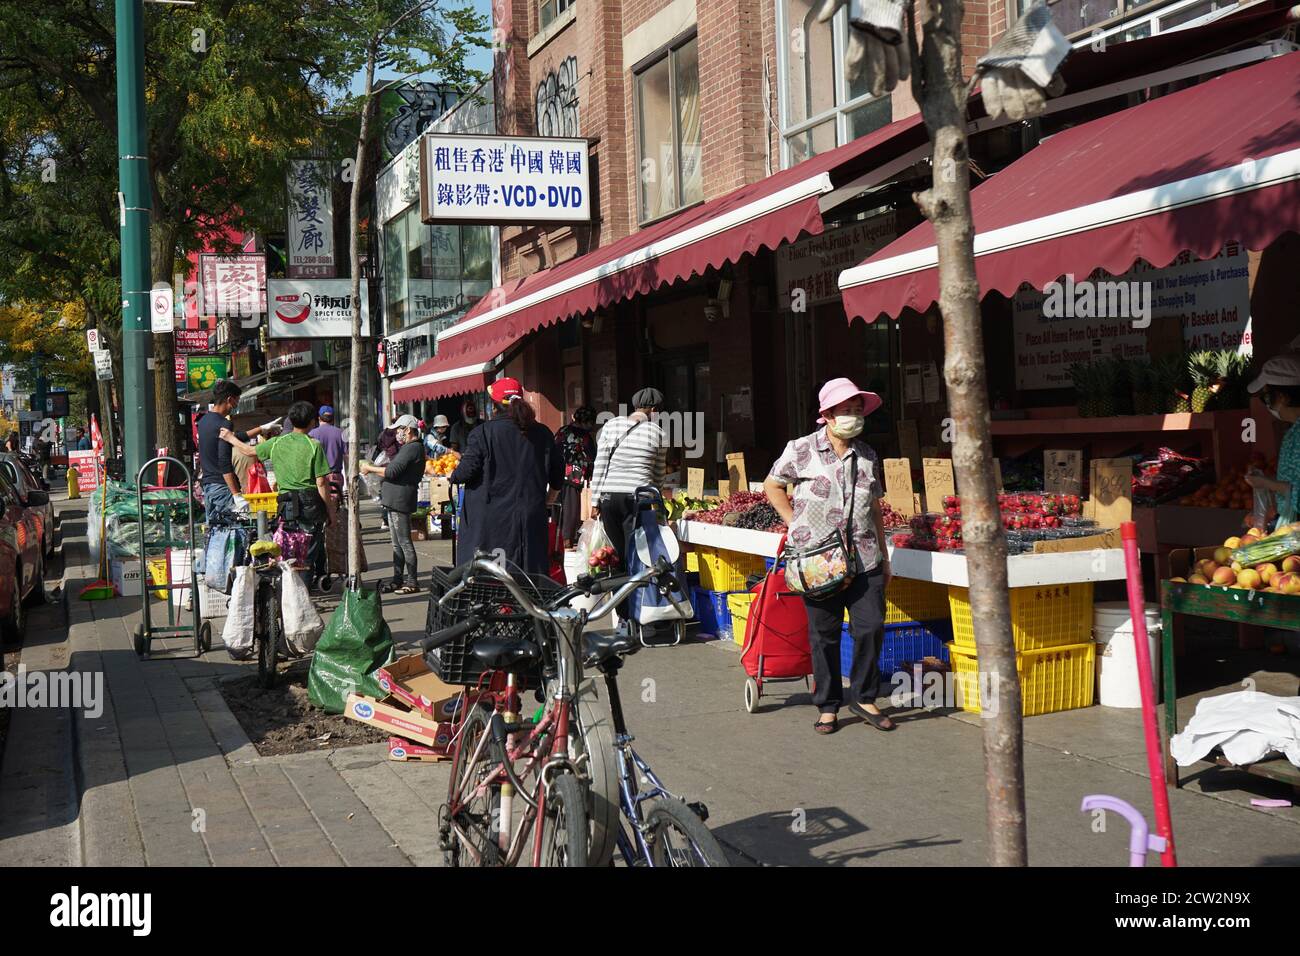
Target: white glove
(273,427)
(1018,72)
(876,49)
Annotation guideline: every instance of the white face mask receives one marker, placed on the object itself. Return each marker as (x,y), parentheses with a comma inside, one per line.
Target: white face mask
(847,426)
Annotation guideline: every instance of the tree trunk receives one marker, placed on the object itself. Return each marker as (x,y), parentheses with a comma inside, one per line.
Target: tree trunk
(942,93)
(162,254)
(354,385)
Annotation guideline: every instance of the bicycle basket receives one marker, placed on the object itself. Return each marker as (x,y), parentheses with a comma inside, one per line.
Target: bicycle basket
(502,617)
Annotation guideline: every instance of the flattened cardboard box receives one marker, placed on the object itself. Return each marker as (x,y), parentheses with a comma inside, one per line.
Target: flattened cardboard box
(392,718)
(411,682)
(399,748)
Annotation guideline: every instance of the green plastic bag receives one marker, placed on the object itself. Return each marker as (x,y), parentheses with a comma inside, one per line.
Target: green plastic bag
(355,644)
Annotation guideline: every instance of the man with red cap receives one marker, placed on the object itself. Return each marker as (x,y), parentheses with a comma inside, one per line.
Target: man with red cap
(511,473)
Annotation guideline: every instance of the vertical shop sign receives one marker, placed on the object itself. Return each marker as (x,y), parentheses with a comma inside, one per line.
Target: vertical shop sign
(311,220)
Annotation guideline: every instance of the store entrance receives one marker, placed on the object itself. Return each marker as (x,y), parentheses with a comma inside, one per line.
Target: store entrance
(683,377)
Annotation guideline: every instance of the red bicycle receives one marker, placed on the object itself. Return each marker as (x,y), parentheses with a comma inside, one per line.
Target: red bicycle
(513,779)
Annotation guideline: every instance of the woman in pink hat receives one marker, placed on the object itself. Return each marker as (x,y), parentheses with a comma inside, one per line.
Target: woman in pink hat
(837,490)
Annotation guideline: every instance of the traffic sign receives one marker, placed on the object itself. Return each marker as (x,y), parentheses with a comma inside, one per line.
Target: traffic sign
(161,318)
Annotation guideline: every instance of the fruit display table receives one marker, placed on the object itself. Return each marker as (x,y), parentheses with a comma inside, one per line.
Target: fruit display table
(1023,570)
(1222,604)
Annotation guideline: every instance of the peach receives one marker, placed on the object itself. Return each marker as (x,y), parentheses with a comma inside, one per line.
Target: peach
(1222,555)
(1249,578)
(1178,580)
(1232,543)
(1236,566)
(1280,581)
(1257,533)
(1266,571)
(1292,585)
(1224,576)
(1248,539)
(1291,562)
(1198,579)
(1207,567)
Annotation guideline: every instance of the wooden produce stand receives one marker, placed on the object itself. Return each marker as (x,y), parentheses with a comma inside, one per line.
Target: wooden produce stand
(1221,604)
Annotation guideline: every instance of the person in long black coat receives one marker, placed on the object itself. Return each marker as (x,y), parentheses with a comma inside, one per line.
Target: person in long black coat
(510,472)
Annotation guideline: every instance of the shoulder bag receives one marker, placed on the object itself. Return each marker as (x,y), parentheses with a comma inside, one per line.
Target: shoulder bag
(827,567)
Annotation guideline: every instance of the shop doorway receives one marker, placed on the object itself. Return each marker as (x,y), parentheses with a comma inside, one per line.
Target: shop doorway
(683,377)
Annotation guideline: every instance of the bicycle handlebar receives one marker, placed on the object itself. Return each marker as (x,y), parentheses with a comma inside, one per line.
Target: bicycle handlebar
(448,634)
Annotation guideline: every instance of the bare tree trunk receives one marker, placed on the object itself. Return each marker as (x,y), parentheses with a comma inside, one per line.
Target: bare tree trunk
(163,258)
(942,93)
(354,386)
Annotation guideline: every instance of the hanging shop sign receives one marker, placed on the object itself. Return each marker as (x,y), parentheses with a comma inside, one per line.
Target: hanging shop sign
(311,220)
(315,308)
(1100,315)
(289,353)
(808,271)
(189,341)
(204,371)
(233,285)
(403,354)
(504,179)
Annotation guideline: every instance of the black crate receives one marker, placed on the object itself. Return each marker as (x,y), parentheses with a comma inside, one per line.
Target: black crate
(502,617)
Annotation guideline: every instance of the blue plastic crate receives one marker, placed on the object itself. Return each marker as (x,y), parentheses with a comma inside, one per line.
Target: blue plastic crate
(901,643)
(712,612)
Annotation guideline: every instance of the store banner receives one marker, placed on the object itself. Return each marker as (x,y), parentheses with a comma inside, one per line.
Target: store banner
(469,178)
(315,308)
(311,220)
(813,265)
(204,371)
(86,463)
(190,341)
(1209,298)
(233,285)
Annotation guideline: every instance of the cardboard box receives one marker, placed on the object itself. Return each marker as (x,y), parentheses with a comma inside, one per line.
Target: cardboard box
(402,749)
(410,681)
(125,574)
(390,716)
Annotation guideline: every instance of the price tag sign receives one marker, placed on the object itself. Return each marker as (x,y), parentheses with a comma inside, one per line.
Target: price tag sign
(898,485)
(724,489)
(736,470)
(160,310)
(938,482)
(1063,472)
(695,482)
(1112,491)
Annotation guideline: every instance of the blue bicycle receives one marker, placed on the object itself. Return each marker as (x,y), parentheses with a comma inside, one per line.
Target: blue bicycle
(665,830)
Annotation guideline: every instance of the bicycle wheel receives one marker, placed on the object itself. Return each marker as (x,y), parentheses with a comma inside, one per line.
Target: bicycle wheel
(595,737)
(564,833)
(267,614)
(677,837)
(475,817)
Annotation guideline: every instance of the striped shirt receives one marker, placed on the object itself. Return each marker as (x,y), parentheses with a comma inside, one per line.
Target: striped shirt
(640,458)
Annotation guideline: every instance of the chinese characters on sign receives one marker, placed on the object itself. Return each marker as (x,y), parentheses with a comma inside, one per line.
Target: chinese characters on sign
(233,285)
(311,220)
(503,179)
(188,341)
(813,265)
(315,309)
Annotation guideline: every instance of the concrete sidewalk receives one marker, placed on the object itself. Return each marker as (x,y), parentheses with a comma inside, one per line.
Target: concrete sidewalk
(166,775)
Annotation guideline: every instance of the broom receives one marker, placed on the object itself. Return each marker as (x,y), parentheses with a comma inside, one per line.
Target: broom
(101,589)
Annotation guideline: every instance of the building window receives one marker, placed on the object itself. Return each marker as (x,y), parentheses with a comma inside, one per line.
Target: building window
(550,9)
(668,131)
(433,273)
(820,107)
(1129,19)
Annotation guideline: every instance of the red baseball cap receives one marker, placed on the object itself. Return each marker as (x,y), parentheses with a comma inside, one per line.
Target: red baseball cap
(506,390)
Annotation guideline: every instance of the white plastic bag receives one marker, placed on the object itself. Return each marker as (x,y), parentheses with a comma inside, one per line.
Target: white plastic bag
(590,540)
(302,625)
(238,632)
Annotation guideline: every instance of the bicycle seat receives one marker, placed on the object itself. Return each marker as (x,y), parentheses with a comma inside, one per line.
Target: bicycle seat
(598,648)
(504,654)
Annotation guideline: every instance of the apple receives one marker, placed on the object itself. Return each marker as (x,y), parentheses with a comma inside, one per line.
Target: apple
(1232,543)
(1291,562)
(1249,578)
(1224,576)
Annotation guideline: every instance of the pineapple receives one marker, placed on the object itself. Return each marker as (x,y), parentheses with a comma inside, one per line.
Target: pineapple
(1140,374)
(1233,370)
(1175,385)
(1204,370)
(1108,373)
(1081,374)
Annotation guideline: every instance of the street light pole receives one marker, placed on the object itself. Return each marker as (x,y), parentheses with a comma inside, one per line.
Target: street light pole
(135,205)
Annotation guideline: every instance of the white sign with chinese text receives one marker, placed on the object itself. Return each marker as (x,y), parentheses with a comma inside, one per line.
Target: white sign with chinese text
(233,285)
(504,179)
(311,220)
(314,308)
(103,365)
(808,271)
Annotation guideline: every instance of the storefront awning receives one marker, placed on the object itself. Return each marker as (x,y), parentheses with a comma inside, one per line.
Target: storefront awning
(777,209)
(1189,171)
(459,367)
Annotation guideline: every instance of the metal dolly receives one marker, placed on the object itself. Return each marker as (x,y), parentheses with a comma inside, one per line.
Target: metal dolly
(145,632)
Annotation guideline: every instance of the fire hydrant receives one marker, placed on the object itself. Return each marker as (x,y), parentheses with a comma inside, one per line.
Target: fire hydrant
(74,486)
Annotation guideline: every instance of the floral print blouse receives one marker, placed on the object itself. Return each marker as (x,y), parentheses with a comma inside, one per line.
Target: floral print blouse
(821,492)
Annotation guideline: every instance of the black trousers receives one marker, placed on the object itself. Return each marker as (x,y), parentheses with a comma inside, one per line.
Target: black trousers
(618,516)
(570,512)
(865,600)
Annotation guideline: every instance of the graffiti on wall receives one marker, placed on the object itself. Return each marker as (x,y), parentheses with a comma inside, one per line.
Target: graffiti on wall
(557,100)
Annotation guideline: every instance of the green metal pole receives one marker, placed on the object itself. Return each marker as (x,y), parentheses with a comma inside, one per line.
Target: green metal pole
(136,210)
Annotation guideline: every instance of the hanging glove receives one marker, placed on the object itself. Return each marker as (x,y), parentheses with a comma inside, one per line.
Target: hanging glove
(273,427)
(1018,74)
(876,49)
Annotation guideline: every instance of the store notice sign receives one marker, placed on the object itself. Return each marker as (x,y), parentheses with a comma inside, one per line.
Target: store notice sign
(189,341)
(1102,315)
(503,179)
(314,308)
(204,371)
(808,271)
(87,469)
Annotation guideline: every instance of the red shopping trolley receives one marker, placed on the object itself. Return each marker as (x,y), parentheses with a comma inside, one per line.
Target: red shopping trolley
(776,645)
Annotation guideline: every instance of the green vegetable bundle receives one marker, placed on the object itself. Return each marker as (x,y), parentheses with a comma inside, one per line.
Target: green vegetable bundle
(1265,550)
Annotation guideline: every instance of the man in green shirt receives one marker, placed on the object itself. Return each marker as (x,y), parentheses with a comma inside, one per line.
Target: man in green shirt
(301,476)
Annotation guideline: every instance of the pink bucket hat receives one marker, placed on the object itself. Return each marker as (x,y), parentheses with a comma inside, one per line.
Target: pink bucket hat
(841,390)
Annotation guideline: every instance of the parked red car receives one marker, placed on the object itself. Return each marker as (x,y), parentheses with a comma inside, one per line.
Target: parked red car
(22,564)
(33,496)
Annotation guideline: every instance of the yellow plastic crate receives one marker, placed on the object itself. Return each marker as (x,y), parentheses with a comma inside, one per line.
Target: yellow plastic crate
(265,501)
(1048,615)
(1053,679)
(728,570)
(738,605)
(692,561)
(910,600)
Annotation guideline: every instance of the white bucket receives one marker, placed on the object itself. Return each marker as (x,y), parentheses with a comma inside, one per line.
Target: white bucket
(1117,672)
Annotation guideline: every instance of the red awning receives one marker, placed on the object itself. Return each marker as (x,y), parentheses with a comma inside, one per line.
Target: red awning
(457,369)
(1186,172)
(778,209)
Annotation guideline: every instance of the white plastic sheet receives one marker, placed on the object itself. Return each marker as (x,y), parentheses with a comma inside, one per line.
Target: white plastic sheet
(238,632)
